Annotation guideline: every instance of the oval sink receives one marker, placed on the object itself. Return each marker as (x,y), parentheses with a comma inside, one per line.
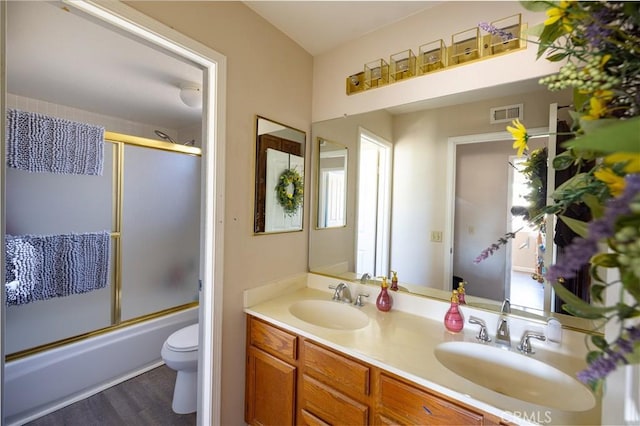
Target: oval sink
(329,314)
(515,375)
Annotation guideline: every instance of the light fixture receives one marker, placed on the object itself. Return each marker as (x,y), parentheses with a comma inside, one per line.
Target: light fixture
(191,94)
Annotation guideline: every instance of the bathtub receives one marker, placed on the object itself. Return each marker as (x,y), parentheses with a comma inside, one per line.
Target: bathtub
(47,381)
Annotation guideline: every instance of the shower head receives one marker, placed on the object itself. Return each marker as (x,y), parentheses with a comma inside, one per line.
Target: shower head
(164,136)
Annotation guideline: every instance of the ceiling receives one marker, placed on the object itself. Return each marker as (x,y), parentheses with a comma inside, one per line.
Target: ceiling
(60,57)
(319,26)
(111,73)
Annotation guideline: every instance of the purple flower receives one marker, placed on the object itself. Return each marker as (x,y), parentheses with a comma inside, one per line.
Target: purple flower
(597,32)
(626,347)
(611,357)
(504,35)
(581,249)
(494,247)
(576,255)
(634,333)
(598,369)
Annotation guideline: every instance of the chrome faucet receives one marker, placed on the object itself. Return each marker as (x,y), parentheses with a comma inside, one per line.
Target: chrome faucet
(365,277)
(525,345)
(483,334)
(506,307)
(359,301)
(341,293)
(503,336)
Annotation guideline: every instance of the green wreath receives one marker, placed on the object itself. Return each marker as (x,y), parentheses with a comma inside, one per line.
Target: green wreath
(290,201)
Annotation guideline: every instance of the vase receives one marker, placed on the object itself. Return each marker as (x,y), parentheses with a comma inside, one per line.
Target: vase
(453,320)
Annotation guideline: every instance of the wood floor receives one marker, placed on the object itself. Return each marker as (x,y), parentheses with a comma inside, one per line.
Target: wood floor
(143,400)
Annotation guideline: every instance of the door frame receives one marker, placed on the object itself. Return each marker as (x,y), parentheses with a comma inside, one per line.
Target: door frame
(123,17)
(452,144)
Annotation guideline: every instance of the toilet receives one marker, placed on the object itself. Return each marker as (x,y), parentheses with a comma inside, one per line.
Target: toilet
(180,353)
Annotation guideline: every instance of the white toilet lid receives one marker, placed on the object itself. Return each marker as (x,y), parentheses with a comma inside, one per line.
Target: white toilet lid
(185,339)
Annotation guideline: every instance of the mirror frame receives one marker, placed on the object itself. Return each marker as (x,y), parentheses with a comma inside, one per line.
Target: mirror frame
(318,183)
(286,145)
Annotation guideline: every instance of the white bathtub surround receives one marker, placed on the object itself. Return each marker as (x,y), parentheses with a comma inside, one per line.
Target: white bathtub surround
(403,340)
(50,380)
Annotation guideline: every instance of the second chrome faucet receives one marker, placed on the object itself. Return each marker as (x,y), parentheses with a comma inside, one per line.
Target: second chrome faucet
(503,335)
(341,293)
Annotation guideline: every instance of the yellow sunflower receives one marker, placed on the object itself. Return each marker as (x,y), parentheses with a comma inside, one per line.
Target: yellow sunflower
(520,136)
(614,182)
(632,160)
(561,12)
(598,104)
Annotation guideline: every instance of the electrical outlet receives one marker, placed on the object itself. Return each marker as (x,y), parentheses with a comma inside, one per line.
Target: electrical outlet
(436,236)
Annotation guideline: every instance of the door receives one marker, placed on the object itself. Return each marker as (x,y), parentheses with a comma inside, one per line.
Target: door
(276,219)
(374,205)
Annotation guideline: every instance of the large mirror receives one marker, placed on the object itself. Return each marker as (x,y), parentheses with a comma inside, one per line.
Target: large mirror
(331,164)
(279,192)
(421,237)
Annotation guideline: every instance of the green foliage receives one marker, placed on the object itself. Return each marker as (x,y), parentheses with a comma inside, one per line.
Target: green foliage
(535,171)
(290,191)
(577,226)
(595,44)
(610,136)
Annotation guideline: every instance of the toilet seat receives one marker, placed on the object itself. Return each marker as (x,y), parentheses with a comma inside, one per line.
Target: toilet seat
(184,340)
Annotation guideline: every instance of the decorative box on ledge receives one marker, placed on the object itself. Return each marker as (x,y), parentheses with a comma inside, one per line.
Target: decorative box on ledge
(403,65)
(376,74)
(506,34)
(355,83)
(432,56)
(485,41)
(465,46)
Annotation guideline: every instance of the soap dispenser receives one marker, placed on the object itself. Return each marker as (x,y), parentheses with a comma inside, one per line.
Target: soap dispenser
(394,281)
(453,320)
(384,300)
(461,292)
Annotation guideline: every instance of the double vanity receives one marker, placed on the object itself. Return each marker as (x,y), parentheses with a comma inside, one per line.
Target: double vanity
(316,360)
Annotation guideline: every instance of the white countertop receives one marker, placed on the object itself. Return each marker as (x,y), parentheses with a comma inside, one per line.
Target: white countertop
(403,343)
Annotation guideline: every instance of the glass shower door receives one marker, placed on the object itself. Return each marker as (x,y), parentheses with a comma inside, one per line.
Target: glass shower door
(160,231)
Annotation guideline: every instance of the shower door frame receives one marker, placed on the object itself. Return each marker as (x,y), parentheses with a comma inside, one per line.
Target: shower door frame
(123,17)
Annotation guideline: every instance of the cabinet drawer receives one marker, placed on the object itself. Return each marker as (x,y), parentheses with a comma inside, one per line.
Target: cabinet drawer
(345,375)
(330,405)
(272,339)
(416,406)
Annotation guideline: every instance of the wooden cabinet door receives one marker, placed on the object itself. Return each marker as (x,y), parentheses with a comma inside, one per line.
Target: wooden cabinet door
(270,390)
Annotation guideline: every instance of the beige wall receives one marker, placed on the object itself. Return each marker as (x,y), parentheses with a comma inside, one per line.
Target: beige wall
(268,75)
(438,22)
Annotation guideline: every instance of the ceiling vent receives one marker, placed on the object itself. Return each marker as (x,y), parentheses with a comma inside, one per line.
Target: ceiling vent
(504,114)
